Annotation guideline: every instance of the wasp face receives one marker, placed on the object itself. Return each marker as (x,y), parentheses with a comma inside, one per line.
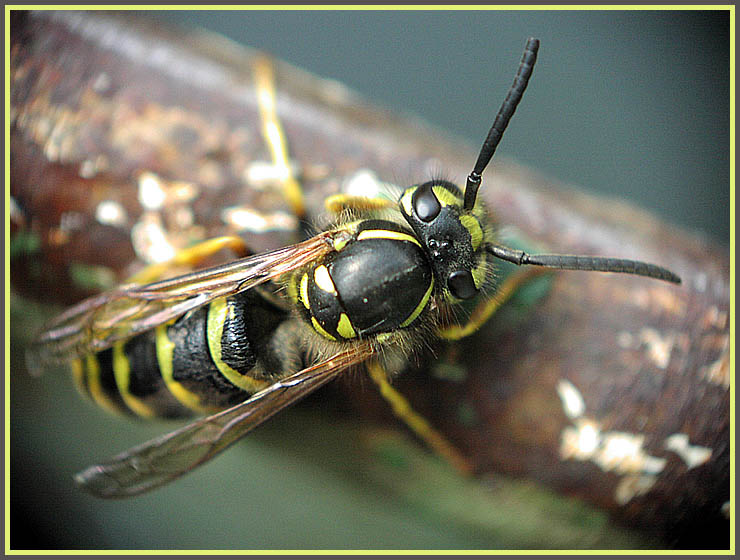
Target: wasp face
(451,236)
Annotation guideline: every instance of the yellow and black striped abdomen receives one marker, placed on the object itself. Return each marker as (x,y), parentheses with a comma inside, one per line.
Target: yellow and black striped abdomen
(205,361)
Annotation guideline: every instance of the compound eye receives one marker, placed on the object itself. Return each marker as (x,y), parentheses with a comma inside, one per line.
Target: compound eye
(426,205)
(461,284)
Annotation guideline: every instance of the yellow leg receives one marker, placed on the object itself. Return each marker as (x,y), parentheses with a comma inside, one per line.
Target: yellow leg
(191,257)
(415,421)
(337,203)
(485,309)
(274,135)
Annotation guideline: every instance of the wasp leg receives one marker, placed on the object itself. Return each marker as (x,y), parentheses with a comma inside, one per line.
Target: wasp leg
(421,427)
(191,257)
(273,134)
(338,203)
(486,308)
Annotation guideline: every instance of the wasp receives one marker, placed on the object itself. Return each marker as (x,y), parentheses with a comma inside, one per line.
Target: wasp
(240,341)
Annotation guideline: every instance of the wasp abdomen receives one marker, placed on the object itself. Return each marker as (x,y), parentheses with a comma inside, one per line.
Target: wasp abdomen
(379,282)
(205,361)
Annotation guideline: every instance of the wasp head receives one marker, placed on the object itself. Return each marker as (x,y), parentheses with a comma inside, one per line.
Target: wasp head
(451,236)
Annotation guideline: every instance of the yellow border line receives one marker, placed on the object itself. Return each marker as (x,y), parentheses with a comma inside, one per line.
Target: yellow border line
(378,7)
(7,279)
(730,8)
(412,552)
(732,281)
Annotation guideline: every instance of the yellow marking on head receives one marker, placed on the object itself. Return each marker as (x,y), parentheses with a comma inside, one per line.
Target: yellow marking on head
(387,234)
(323,279)
(473,226)
(319,329)
(304,290)
(345,328)
(445,197)
(479,271)
(406,200)
(165,352)
(122,374)
(218,312)
(419,308)
(95,387)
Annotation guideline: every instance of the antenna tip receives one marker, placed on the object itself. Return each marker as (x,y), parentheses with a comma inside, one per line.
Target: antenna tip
(533,45)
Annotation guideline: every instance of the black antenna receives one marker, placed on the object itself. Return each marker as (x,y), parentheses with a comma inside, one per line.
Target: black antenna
(562,262)
(580,262)
(502,120)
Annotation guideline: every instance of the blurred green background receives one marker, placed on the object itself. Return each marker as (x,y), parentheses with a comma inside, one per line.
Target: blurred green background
(632,104)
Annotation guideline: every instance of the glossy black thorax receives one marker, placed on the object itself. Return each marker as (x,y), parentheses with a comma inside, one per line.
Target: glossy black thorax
(381,281)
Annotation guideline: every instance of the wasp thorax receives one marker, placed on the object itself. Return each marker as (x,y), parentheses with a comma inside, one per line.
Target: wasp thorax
(449,235)
(378,282)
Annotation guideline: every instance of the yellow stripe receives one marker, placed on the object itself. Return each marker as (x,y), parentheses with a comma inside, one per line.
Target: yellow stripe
(122,374)
(78,375)
(304,291)
(473,227)
(323,279)
(345,328)
(402,409)
(420,307)
(189,257)
(218,312)
(95,387)
(165,352)
(386,234)
(293,289)
(337,203)
(273,133)
(320,329)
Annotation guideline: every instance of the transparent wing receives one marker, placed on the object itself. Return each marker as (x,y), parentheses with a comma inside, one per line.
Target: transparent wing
(165,458)
(100,321)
